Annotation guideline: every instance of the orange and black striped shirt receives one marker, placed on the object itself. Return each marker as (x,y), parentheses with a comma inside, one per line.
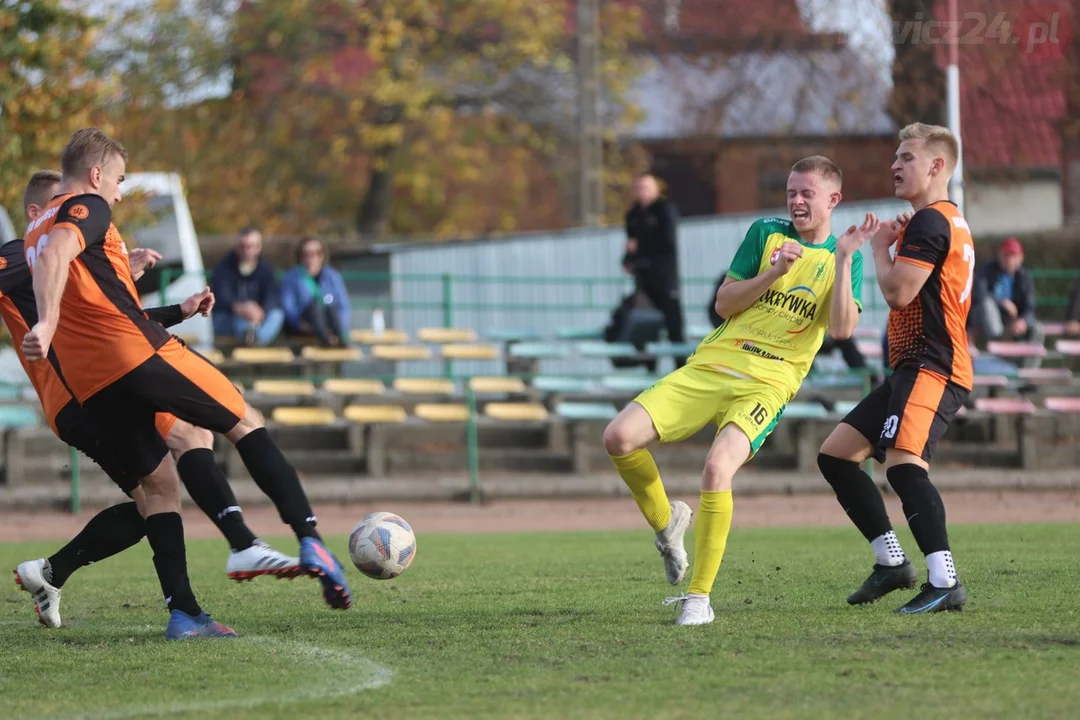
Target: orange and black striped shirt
(103,333)
(931,332)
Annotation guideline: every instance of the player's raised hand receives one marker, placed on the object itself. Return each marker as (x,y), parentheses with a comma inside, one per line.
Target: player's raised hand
(904,218)
(36,343)
(201,302)
(142,259)
(850,242)
(885,235)
(786,256)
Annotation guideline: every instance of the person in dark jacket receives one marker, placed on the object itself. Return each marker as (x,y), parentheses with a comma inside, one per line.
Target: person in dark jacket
(652,253)
(1072,314)
(1003,301)
(314,297)
(248,305)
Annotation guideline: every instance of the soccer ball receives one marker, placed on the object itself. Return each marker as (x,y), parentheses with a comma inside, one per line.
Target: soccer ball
(382,546)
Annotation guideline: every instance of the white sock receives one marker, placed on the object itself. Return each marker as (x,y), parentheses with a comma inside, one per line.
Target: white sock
(941,569)
(887,550)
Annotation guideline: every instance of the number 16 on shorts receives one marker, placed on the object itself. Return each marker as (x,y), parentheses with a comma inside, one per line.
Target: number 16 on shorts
(759,414)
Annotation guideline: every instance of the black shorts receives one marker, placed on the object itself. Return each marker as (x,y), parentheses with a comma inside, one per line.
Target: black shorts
(175,380)
(76,428)
(910,411)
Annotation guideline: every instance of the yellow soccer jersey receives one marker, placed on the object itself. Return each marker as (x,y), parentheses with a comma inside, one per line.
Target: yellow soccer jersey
(775,339)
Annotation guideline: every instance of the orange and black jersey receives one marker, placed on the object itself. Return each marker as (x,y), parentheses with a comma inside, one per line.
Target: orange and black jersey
(18,308)
(931,331)
(102,333)
(19,311)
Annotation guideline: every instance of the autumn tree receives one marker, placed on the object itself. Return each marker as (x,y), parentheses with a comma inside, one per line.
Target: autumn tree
(50,86)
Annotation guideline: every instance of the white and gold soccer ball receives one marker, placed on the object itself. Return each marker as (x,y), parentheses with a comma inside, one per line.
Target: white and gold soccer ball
(382,546)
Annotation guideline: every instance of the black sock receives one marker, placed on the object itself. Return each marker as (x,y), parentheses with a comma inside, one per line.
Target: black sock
(111,531)
(923,508)
(857,494)
(277,478)
(165,531)
(210,490)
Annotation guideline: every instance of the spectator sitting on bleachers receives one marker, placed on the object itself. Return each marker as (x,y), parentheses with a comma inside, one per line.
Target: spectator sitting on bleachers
(247,293)
(1003,301)
(314,297)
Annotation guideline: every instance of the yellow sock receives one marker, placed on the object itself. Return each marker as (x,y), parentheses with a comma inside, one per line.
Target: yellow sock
(638,470)
(710,539)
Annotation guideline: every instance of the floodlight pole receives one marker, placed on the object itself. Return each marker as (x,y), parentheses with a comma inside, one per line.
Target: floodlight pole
(952,103)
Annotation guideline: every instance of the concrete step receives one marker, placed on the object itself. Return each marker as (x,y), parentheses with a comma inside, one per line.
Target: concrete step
(456,460)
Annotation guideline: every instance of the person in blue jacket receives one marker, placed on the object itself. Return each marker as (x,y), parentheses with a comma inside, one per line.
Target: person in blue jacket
(246,293)
(314,297)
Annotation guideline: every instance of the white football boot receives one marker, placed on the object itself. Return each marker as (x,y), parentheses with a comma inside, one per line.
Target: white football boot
(696,609)
(30,576)
(669,542)
(261,559)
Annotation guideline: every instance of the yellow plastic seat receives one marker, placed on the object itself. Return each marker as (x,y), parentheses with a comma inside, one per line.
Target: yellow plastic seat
(424,386)
(213,356)
(446,335)
(303,388)
(387,337)
(303,416)
(497,384)
(401,352)
(341,354)
(263,355)
(354,386)
(470,352)
(442,412)
(372,414)
(516,411)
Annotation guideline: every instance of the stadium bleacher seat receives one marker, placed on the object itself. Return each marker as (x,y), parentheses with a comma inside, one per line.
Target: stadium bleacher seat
(605,349)
(563,385)
(867,333)
(507,385)
(1069,405)
(442,412)
(698,332)
(539,350)
(375,414)
(332,355)
(1067,347)
(1005,406)
(386,337)
(18,416)
(354,386)
(290,388)
(578,333)
(586,410)
(463,351)
(512,335)
(401,352)
(303,416)
(869,348)
(439,336)
(516,411)
(628,382)
(263,355)
(1046,376)
(1053,329)
(213,355)
(1016,350)
(805,411)
(424,386)
(669,349)
(990,381)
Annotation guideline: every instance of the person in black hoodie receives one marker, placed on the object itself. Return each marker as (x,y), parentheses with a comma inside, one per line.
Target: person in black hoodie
(652,254)
(248,301)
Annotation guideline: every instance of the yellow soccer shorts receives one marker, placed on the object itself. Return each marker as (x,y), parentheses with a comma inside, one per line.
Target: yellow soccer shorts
(683,402)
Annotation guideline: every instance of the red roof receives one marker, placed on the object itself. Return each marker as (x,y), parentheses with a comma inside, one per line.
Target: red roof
(1012,93)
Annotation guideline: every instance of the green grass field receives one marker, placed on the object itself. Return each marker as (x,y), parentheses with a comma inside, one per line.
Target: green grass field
(564,625)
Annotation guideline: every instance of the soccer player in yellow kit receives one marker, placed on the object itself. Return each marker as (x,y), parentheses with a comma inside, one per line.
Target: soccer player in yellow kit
(790,281)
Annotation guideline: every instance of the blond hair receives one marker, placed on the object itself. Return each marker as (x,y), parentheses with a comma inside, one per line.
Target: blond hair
(89,147)
(823,166)
(40,188)
(936,137)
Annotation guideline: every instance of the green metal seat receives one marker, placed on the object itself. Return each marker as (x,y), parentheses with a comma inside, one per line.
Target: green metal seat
(805,411)
(513,335)
(666,349)
(585,411)
(698,332)
(606,350)
(572,333)
(628,382)
(538,350)
(564,385)
(18,416)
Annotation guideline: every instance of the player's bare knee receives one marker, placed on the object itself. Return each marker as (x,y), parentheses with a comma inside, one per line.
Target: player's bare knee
(184,437)
(252,421)
(162,489)
(632,429)
(846,443)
